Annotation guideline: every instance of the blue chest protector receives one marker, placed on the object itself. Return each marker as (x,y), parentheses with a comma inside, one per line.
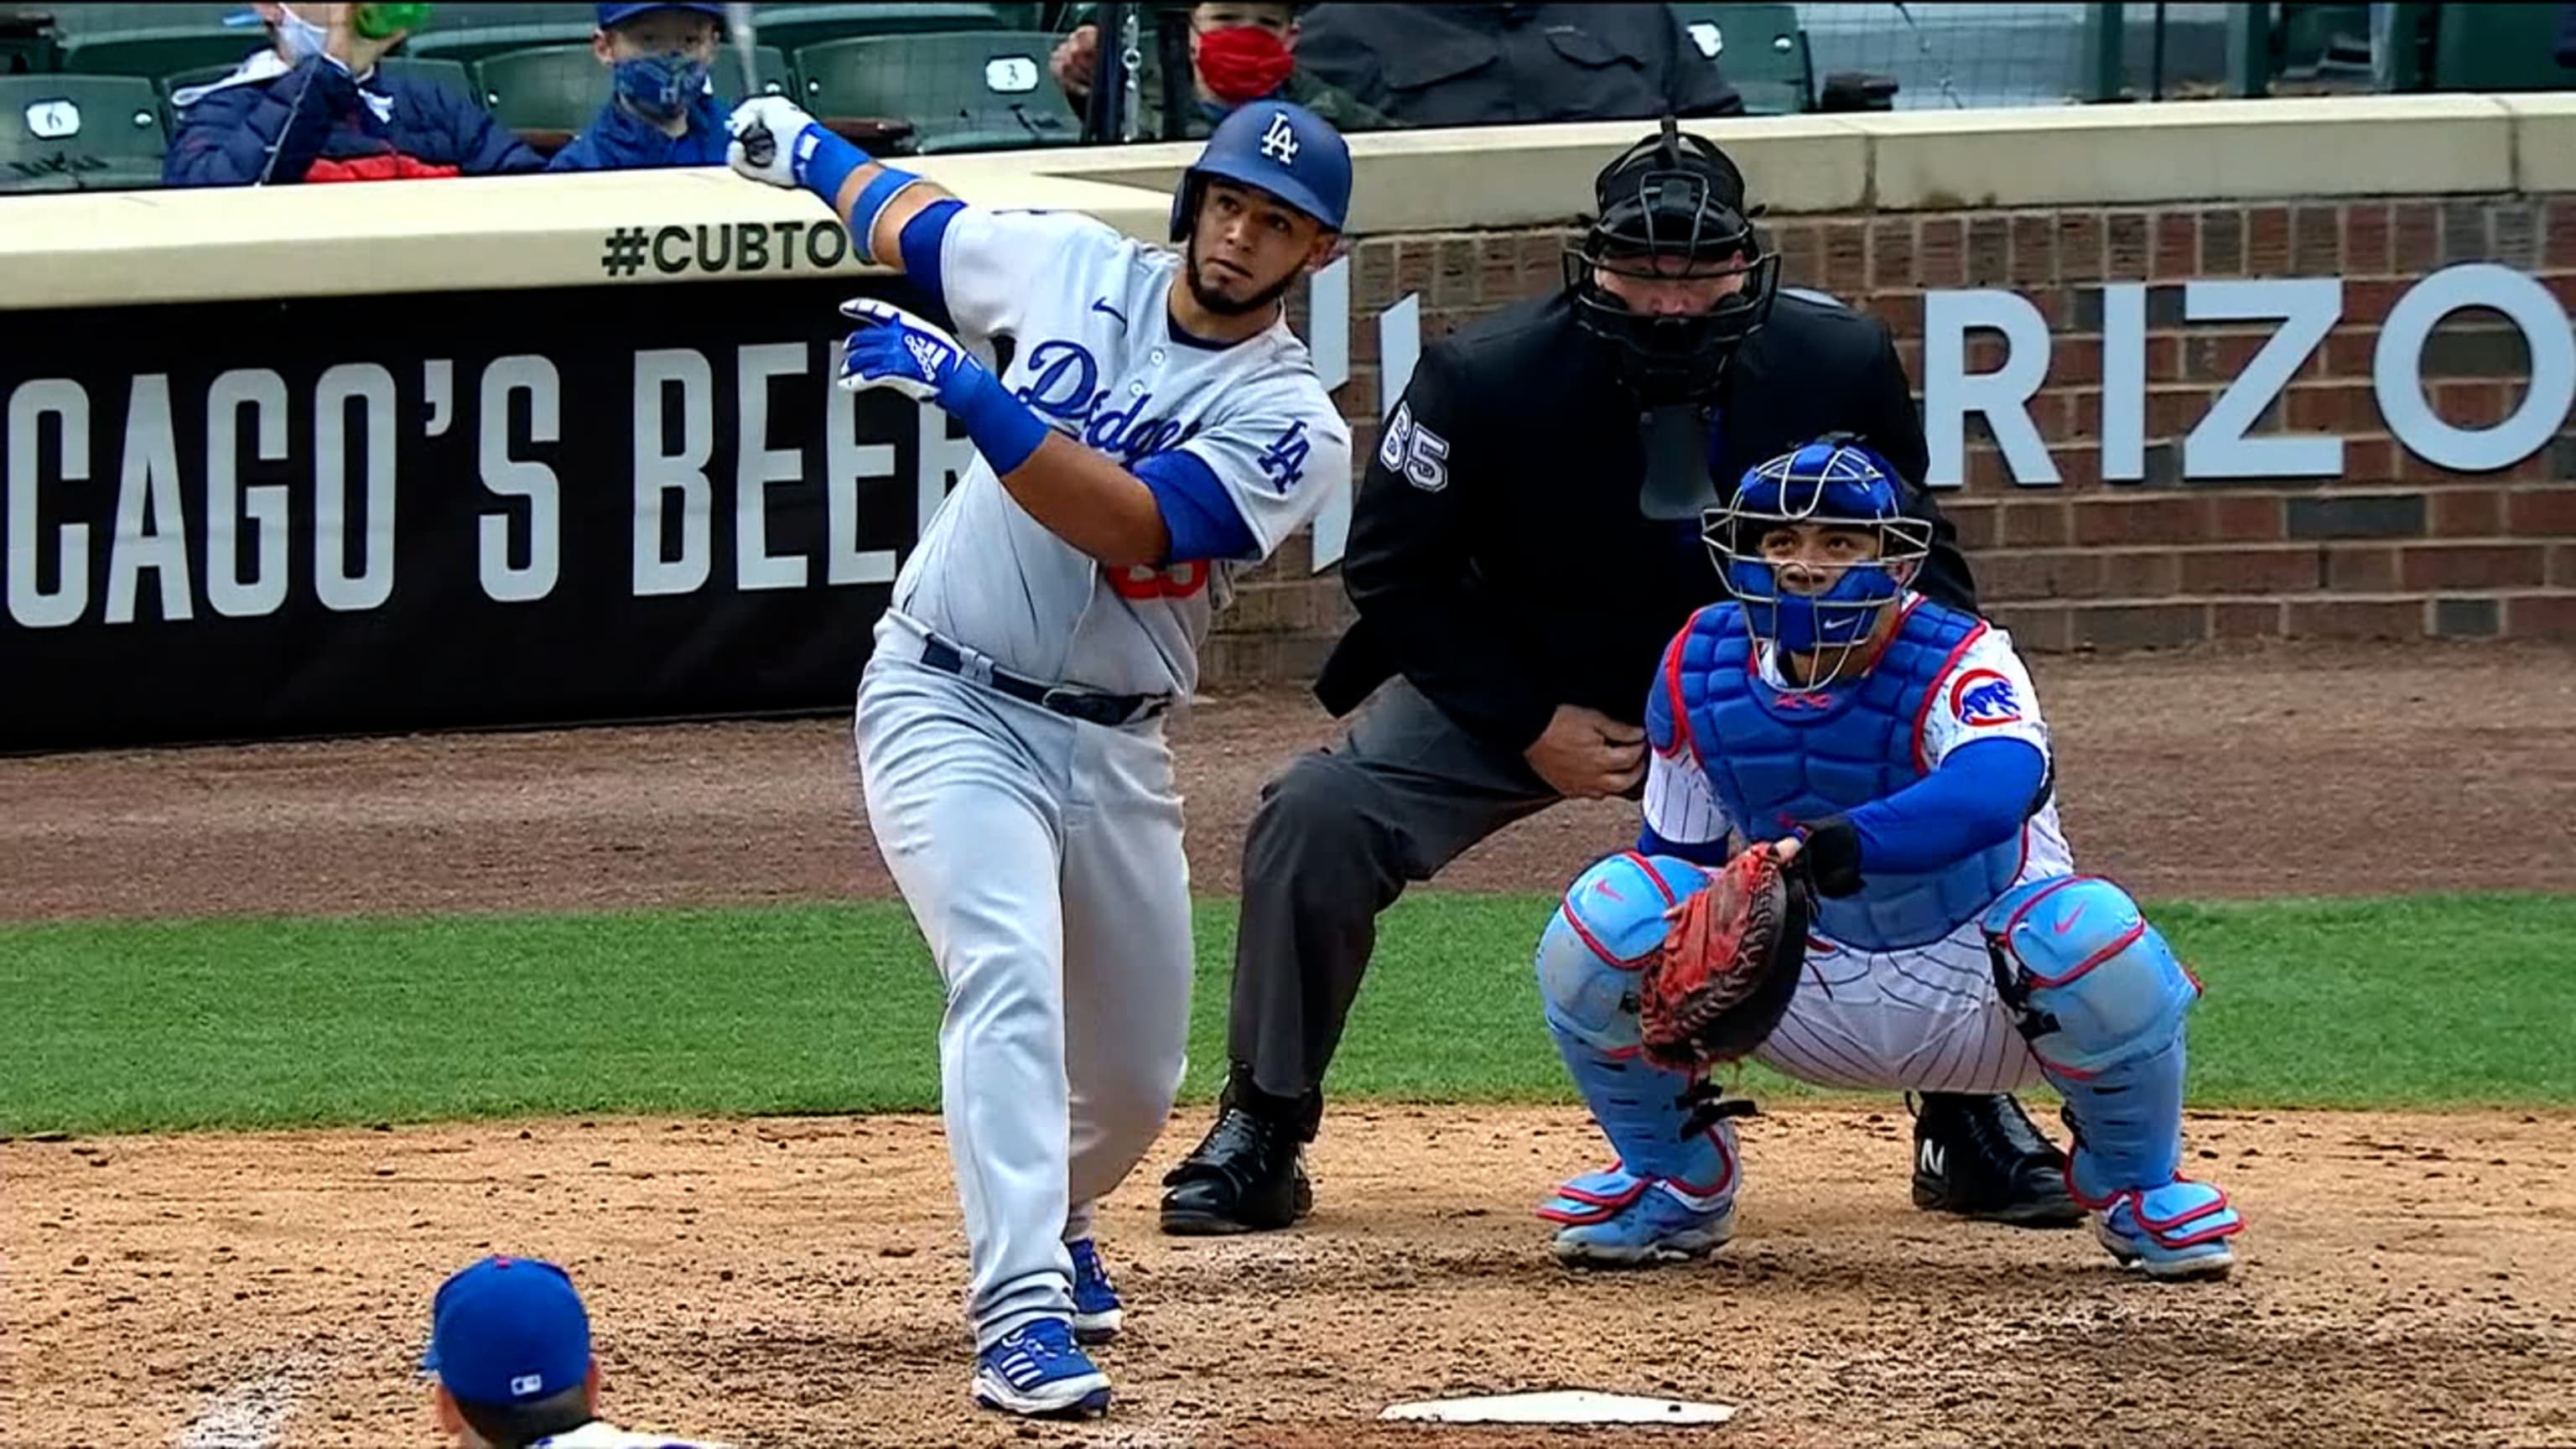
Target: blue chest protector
(1776,756)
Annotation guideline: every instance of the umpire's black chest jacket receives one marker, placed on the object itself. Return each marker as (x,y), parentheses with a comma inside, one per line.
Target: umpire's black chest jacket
(1497,555)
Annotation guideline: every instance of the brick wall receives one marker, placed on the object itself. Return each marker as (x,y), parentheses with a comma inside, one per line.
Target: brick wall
(2396,548)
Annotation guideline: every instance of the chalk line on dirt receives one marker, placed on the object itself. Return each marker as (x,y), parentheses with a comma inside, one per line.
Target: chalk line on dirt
(252,1414)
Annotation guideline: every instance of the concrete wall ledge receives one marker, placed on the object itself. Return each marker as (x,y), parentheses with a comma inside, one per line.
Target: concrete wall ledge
(2196,151)
(207,244)
(1508,176)
(1486,177)
(2544,140)
(110,248)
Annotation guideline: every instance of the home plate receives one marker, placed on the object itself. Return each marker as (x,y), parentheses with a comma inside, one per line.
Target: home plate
(1564,1406)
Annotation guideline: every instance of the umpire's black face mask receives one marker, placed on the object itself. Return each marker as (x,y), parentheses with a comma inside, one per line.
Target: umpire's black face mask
(1673,277)
(1672,273)
(1678,320)
(1675,322)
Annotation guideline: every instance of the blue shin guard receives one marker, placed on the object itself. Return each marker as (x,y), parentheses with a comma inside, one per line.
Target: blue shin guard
(2102,998)
(1672,1193)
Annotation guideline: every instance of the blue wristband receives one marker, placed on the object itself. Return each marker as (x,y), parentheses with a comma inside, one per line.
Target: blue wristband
(872,199)
(1002,427)
(823,161)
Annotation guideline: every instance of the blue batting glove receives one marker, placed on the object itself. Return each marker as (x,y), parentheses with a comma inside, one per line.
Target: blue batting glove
(895,350)
(902,353)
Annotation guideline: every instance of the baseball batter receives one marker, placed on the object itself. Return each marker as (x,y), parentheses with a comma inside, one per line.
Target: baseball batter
(1158,429)
(1896,743)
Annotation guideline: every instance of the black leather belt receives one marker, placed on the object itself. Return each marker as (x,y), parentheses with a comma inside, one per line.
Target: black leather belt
(1086,705)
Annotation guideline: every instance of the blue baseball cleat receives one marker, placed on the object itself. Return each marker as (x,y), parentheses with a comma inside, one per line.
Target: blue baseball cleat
(2179,1230)
(1097,1315)
(1616,1219)
(1036,1370)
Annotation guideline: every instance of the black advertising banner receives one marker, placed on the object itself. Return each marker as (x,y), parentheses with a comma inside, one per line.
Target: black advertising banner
(360,514)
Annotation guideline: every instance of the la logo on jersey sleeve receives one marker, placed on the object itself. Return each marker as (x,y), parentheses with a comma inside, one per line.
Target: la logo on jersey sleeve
(1285,459)
(1984,698)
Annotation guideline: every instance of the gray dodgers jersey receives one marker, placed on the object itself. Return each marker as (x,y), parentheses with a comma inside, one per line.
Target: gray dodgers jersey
(1098,359)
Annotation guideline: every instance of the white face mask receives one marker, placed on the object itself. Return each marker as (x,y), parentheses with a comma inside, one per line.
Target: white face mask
(301,38)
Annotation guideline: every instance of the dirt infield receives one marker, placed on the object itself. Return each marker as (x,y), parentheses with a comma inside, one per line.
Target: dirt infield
(2408,1279)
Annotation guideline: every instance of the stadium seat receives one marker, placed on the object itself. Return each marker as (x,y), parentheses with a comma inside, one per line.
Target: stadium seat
(79,133)
(2316,40)
(455,75)
(561,87)
(777,77)
(548,88)
(2498,48)
(151,41)
(470,31)
(981,91)
(795,27)
(485,14)
(1762,51)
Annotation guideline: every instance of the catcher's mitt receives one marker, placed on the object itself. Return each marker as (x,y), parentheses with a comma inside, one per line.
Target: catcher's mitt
(1723,977)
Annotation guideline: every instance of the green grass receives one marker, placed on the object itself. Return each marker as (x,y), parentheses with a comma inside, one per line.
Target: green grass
(248,1023)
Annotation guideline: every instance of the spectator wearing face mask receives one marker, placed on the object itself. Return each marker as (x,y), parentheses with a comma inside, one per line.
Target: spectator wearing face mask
(315,107)
(660,111)
(1241,51)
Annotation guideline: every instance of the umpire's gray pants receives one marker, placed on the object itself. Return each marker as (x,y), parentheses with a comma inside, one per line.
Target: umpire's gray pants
(1337,836)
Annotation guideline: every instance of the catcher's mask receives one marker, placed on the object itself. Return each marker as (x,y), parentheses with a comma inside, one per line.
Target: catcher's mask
(1672,206)
(1833,484)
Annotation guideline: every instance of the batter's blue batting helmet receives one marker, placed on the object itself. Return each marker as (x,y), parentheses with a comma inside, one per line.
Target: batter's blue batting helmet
(1280,147)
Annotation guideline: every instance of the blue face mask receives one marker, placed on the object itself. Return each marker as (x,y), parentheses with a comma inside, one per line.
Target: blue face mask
(660,86)
(300,38)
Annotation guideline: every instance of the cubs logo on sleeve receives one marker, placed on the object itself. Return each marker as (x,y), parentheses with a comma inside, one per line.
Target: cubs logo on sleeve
(1987,694)
(1985,698)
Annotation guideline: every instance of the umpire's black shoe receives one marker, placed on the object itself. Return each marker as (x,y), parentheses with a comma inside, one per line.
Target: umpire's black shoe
(1981,1157)
(1248,1175)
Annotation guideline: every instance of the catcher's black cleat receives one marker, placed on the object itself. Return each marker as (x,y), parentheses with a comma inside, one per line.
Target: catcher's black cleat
(1981,1157)
(1248,1175)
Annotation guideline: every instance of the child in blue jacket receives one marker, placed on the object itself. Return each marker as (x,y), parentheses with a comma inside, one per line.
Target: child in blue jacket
(660,111)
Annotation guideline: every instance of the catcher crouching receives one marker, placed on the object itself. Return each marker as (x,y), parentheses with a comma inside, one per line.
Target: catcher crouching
(1851,870)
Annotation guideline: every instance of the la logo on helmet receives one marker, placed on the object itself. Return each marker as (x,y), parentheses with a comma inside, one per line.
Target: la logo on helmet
(1279,143)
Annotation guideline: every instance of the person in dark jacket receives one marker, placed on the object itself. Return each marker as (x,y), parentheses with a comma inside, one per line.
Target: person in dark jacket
(1241,51)
(1523,545)
(315,107)
(2566,51)
(1491,65)
(660,110)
